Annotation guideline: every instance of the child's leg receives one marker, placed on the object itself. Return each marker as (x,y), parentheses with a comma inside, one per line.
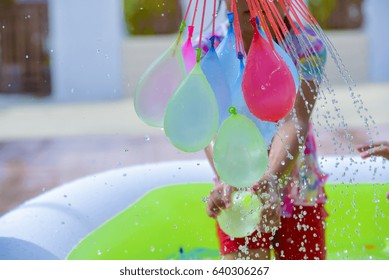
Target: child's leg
(256,246)
(302,236)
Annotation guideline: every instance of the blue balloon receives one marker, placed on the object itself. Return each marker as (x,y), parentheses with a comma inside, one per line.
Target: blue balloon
(227,53)
(215,74)
(267,129)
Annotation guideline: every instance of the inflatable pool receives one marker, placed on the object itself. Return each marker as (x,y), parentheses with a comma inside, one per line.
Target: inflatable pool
(157,212)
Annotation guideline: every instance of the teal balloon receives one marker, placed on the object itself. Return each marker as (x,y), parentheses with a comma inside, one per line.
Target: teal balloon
(216,77)
(243,217)
(157,85)
(240,154)
(226,52)
(286,57)
(191,118)
(267,129)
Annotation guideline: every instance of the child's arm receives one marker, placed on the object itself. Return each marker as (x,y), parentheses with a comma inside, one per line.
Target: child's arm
(380,149)
(284,152)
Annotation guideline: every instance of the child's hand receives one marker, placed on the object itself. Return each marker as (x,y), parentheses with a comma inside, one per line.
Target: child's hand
(219,198)
(376,149)
(271,213)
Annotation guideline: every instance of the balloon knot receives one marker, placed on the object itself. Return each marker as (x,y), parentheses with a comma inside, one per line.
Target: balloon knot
(182,27)
(232,110)
(230,17)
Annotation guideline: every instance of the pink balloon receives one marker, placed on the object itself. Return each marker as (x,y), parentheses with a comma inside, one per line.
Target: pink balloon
(188,52)
(268,84)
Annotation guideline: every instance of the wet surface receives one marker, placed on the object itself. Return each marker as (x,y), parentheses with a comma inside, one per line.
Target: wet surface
(32,167)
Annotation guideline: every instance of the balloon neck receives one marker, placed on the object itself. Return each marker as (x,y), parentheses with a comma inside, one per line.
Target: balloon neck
(230,18)
(182,26)
(212,40)
(190,31)
(232,110)
(240,56)
(257,20)
(198,54)
(255,26)
(254,22)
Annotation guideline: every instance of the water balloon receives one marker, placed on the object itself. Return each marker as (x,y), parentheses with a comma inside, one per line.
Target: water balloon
(268,85)
(240,154)
(192,116)
(243,217)
(157,85)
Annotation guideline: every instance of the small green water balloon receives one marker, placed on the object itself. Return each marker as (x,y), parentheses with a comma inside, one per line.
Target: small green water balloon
(240,152)
(243,217)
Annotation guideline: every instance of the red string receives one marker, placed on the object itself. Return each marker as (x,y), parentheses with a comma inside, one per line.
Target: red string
(214,18)
(279,19)
(195,12)
(293,11)
(253,13)
(258,7)
(304,8)
(202,23)
(291,21)
(237,29)
(273,23)
(187,10)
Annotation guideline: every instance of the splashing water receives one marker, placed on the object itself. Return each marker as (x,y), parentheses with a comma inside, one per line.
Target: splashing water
(296,32)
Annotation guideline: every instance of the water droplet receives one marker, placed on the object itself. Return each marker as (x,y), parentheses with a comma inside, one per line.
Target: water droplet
(282,162)
(152,249)
(147,138)
(98,252)
(27,56)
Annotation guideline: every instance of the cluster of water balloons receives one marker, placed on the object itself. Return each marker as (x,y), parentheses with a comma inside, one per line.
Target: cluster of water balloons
(230,97)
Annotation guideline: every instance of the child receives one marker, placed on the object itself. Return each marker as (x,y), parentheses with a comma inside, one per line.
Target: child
(292,221)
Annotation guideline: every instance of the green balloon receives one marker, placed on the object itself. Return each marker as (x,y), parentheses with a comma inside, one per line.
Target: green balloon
(240,152)
(192,116)
(243,217)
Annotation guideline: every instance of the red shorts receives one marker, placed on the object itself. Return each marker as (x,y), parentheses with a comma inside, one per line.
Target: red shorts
(300,237)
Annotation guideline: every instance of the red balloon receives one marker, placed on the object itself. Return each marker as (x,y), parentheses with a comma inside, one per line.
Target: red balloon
(268,85)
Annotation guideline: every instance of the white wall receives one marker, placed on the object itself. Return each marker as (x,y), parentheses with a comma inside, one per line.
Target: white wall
(85,42)
(377,27)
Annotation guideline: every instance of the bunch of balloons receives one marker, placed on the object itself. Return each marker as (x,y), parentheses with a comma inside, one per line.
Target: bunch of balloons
(226,96)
